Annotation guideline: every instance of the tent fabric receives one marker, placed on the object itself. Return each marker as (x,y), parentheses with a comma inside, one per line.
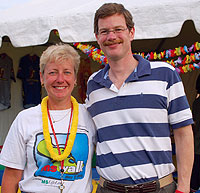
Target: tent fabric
(30,24)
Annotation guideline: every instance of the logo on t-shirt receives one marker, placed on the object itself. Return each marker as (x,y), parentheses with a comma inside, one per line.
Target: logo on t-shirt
(74,164)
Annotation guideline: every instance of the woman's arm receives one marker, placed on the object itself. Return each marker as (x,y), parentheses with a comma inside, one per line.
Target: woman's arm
(10,180)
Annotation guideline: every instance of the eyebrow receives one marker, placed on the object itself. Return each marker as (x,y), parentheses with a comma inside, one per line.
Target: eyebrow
(111,28)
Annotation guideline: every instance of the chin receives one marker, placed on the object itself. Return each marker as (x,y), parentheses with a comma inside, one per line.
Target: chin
(114,57)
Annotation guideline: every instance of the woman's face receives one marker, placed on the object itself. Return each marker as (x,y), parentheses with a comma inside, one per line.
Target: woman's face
(59,79)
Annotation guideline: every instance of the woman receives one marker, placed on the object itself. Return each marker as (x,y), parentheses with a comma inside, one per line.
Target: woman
(49,147)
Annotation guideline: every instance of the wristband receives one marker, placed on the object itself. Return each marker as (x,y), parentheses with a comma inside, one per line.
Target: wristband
(178,191)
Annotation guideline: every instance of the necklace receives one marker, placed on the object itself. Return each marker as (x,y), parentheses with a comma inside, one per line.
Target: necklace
(72,134)
(54,121)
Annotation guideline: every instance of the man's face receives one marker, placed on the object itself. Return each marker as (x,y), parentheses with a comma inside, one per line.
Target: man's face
(113,37)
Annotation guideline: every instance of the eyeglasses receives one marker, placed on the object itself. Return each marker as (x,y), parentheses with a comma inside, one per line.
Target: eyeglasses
(117,30)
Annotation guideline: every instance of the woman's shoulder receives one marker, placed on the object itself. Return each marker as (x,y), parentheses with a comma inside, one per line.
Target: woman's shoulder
(83,113)
(32,111)
(82,107)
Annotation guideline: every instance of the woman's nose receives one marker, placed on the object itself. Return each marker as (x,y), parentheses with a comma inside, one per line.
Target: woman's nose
(60,77)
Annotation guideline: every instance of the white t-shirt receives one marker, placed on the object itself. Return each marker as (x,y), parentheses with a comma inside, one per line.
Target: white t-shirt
(25,149)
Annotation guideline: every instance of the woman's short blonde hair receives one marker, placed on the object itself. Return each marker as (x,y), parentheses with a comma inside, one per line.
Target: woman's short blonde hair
(59,52)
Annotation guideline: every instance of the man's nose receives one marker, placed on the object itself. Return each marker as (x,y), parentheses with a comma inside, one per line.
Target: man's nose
(111,34)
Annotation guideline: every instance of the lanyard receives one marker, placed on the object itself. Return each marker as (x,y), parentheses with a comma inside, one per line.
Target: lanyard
(62,162)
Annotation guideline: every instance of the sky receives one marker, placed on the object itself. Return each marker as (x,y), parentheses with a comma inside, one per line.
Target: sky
(4,4)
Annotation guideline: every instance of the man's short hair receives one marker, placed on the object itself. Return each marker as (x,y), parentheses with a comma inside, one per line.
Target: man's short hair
(109,9)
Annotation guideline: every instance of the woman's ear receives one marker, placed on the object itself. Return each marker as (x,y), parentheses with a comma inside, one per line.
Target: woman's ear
(75,83)
(41,79)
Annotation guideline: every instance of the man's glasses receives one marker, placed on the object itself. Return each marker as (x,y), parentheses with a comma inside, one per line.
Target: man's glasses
(117,30)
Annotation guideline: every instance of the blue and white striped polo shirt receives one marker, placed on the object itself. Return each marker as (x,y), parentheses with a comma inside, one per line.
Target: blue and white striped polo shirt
(133,123)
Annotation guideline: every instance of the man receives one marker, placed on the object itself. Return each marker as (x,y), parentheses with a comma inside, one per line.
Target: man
(134,103)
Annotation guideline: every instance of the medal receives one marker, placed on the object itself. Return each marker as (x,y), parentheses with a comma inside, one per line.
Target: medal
(61,187)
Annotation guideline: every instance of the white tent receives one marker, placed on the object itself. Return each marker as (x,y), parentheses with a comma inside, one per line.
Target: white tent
(30,23)
(159,25)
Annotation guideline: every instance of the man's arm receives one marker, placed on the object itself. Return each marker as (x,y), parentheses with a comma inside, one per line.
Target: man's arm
(10,180)
(185,156)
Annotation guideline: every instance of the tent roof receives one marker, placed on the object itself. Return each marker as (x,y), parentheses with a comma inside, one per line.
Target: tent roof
(31,23)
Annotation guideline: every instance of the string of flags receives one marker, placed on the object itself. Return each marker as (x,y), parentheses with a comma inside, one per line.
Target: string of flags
(184,59)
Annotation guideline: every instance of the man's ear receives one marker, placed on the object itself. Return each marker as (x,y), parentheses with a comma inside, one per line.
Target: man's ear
(132,33)
(97,38)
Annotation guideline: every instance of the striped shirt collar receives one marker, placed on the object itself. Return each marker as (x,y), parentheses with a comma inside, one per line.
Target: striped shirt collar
(142,69)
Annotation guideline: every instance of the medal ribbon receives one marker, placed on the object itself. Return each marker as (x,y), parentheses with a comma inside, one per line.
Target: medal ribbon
(62,161)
